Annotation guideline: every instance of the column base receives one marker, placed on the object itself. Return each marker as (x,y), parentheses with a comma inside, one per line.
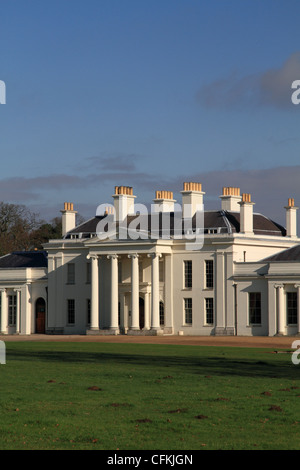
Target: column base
(135,332)
(155,332)
(103,332)
(220,331)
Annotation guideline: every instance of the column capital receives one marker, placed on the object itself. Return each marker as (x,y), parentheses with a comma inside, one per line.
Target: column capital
(92,256)
(278,285)
(112,256)
(133,255)
(297,286)
(154,255)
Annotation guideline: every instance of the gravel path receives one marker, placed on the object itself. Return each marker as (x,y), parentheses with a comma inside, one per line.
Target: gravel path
(275,342)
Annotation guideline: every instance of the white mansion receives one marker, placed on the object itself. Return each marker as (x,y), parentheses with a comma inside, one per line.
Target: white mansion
(241,276)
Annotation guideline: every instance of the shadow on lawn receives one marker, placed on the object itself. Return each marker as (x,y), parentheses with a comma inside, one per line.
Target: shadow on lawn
(274,366)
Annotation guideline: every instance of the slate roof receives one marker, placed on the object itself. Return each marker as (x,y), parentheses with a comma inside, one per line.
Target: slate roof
(214,222)
(24,259)
(291,254)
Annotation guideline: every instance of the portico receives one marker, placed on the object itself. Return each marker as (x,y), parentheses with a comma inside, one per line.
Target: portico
(131,277)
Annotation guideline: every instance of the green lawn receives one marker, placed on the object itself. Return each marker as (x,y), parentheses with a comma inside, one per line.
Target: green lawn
(156,397)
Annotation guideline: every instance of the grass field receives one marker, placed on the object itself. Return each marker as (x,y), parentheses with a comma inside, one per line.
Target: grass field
(154,397)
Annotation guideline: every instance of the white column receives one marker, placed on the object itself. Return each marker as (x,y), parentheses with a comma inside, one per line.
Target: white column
(4,312)
(18,309)
(94,292)
(114,296)
(135,320)
(281,310)
(169,283)
(155,324)
(146,311)
(298,308)
(220,294)
(122,311)
(27,303)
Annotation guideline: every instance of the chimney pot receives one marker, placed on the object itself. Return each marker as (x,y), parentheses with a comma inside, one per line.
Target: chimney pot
(291,219)
(230,198)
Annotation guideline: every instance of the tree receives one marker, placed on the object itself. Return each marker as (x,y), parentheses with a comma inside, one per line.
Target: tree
(17,225)
(47,231)
(21,229)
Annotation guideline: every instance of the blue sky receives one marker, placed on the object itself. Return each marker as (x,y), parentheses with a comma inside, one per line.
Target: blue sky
(149,94)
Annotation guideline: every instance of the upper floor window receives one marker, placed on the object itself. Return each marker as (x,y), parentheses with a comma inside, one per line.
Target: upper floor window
(188,274)
(88,273)
(71,273)
(254,308)
(209,274)
(161,271)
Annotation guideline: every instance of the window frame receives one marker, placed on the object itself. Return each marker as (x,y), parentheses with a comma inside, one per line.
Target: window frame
(88,311)
(294,308)
(188,273)
(252,313)
(161,313)
(207,312)
(12,309)
(209,274)
(71,273)
(188,311)
(71,311)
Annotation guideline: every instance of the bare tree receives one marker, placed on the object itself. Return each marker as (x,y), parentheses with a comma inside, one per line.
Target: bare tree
(17,224)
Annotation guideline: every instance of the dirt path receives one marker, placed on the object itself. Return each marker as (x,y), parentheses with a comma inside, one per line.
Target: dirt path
(274,342)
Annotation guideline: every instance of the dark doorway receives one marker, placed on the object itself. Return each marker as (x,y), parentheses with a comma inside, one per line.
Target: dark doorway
(40,316)
(142,312)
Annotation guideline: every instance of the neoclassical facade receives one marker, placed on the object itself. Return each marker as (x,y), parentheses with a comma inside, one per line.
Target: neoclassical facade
(175,270)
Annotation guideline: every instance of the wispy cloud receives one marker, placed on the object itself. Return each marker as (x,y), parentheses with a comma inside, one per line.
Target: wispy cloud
(112,162)
(271,87)
(270,188)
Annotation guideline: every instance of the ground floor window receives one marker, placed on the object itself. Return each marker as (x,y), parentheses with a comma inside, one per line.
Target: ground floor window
(88,311)
(12,310)
(71,311)
(161,313)
(209,310)
(254,308)
(291,308)
(188,311)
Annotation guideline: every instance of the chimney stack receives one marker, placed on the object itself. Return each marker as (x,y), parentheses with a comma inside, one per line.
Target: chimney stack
(68,218)
(246,216)
(123,202)
(230,199)
(291,219)
(192,199)
(164,201)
